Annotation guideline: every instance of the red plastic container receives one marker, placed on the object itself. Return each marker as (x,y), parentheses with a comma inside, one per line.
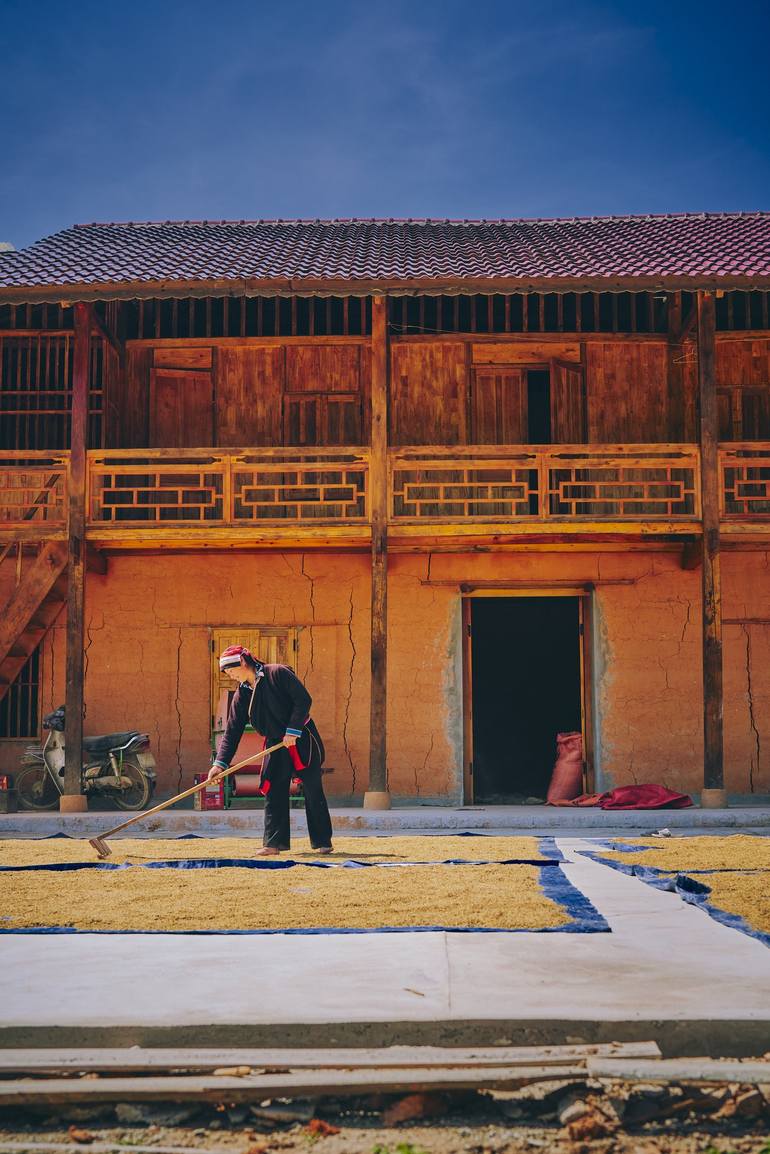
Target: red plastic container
(212,797)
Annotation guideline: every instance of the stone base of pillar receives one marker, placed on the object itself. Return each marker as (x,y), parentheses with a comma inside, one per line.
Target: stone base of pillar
(713,799)
(375,800)
(73,803)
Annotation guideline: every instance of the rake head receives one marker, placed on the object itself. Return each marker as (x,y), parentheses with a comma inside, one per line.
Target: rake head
(101,847)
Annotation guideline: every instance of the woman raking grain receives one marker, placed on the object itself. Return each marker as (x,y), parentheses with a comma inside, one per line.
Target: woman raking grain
(273,700)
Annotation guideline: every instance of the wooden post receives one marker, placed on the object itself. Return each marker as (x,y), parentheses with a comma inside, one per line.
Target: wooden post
(377,795)
(72,800)
(714,794)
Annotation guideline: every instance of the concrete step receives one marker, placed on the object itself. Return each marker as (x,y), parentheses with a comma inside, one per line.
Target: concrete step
(423,819)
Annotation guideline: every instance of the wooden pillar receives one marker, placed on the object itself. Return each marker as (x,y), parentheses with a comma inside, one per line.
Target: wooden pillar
(72,800)
(714,794)
(377,795)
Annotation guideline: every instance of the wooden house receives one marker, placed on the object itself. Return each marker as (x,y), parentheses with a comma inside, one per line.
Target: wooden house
(479,482)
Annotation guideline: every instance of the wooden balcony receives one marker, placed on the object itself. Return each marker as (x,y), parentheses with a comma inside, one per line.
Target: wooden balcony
(208,498)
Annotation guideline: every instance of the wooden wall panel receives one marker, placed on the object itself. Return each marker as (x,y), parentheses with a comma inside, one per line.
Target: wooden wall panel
(181,409)
(743,362)
(429,390)
(627,390)
(323,368)
(524,352)
(128,409)
(688,431)
(183,357)
(249,390)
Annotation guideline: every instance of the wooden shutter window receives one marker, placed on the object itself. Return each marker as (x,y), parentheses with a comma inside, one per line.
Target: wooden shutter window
(499,406)
(568,415)
(322,419)
(744,413)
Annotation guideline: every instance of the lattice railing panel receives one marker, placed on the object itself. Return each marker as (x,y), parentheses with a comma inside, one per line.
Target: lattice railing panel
(143,490)
(33,488)
(458,490)
(601,489)
(228,489)
(314,490)
(560,482)
(744,473)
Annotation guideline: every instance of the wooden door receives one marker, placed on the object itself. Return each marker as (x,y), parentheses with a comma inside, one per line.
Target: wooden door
(181,409)
(499,405)
(273,644)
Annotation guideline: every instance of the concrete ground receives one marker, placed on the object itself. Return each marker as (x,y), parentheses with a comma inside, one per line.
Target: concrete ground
(667,971)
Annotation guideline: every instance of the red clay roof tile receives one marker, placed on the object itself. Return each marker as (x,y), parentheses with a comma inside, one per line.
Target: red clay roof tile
(705,245)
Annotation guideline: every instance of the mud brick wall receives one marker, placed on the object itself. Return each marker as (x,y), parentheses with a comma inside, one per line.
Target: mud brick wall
(148,661)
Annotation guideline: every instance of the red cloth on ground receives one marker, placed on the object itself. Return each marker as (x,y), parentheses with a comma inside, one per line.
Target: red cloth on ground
(633,797)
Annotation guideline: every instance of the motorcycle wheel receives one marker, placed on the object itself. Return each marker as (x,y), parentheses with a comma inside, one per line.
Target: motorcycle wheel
(35,789)
(139,793)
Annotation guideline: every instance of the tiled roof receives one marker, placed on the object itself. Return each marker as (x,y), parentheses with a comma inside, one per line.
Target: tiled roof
(703,248)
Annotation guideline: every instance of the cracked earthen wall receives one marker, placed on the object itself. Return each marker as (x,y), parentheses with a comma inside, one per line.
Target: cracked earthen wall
(148,660)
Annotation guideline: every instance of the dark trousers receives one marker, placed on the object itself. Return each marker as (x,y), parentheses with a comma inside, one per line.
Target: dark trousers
(277,827)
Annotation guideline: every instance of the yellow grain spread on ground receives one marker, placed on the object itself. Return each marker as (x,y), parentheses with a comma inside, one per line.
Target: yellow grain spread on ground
(503,897)
(745,894)
(417,848)
(736,851)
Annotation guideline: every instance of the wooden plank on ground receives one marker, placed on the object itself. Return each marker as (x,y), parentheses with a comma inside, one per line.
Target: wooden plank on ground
(754,1073)
(138,1059)
(293,1084)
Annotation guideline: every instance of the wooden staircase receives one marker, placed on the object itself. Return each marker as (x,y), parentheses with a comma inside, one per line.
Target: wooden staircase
(31,611)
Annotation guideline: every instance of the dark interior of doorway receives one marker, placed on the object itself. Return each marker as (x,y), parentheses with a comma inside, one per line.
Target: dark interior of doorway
(525,662)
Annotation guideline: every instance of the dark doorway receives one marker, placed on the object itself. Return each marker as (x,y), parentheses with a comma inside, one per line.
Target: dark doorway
(539,407)
(525,688)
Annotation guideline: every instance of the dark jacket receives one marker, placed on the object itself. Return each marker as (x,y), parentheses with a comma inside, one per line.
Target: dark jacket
(279,702)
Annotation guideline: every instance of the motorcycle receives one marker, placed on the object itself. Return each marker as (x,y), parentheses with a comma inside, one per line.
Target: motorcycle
(117,766)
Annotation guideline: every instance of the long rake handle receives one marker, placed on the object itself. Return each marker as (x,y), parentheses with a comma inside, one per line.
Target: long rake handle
(193,789)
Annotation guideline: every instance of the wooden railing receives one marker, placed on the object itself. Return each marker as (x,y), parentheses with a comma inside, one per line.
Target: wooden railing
(33,489)
(238,488)
(242,489)
(744,482)
(554,482)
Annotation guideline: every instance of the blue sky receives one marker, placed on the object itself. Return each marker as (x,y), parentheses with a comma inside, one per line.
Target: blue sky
(183,109)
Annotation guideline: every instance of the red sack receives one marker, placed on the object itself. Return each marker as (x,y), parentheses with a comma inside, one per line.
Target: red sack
(567,777)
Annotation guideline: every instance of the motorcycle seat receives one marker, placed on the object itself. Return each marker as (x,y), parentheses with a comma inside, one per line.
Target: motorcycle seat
(108,741)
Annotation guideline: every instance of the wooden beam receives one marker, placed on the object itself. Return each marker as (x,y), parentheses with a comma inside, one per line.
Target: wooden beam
(72,799)
(96,561)
(38,581)
(713,761)
(377,796)
(101,327)
(692,554)
(312,286)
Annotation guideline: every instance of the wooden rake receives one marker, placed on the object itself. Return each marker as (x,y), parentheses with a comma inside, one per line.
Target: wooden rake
(100,843)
